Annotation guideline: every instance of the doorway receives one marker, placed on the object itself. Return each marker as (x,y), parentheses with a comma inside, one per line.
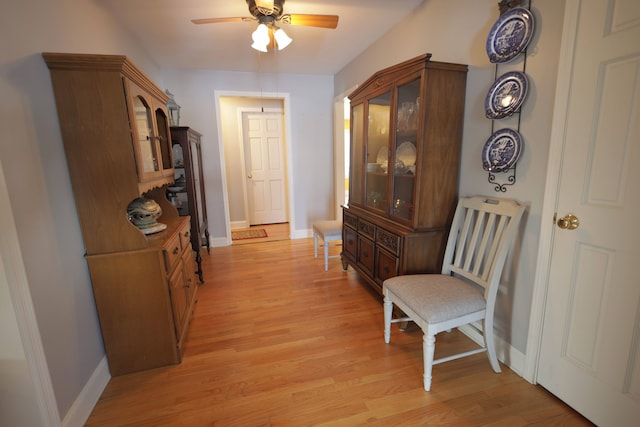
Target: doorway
(232,108)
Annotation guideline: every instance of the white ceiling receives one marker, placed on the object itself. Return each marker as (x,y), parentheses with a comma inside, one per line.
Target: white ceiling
(164,29)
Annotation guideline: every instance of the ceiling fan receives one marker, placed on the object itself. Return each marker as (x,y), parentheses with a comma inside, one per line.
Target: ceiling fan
(270,12)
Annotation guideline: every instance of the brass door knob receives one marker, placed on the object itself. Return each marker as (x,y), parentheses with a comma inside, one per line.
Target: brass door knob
(569,222)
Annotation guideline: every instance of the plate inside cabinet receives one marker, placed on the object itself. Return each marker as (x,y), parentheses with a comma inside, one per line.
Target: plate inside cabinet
(506,94)
(510,35)
(501,151)
(382,154)
(407,153)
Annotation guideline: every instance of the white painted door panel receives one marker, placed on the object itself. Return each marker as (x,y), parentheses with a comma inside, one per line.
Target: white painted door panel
(266,187)
(590,350)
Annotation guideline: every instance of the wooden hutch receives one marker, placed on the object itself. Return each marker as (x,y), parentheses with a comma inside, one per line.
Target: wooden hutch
(115,128)
(406,134)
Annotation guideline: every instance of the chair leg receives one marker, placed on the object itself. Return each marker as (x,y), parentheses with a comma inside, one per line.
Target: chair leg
(489,344)
(428,350)
(388,311)
(315,245)
(326,255)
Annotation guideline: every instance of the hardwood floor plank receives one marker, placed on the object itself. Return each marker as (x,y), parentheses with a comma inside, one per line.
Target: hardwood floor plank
(277,341)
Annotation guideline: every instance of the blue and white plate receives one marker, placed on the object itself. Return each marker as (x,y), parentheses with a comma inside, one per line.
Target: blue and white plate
(510,35)
(506,95)
(501,151)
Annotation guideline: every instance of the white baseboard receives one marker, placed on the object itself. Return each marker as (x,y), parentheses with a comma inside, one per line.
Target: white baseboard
(88,397)
(301,234)
(218,242)
(508,355)
(239,224)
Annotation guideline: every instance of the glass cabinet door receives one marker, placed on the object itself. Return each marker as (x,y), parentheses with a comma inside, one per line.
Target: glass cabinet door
(144,134)
(357,154)
(196,158)
(405,151)
(151,135)
(378,124)
(164,142)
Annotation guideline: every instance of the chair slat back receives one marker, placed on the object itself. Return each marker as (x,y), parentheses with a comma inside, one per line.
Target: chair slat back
(481,236)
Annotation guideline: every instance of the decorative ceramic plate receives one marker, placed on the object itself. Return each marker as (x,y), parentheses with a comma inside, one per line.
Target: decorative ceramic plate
(506,95)
(510,35)
(501,151)
(407,153)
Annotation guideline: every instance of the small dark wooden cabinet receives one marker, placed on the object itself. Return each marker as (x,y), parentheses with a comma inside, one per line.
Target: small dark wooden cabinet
(187,193)
(406,134)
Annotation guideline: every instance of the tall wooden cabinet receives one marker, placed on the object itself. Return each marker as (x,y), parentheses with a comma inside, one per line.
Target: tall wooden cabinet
(406,134)
(187,194)
(117,142)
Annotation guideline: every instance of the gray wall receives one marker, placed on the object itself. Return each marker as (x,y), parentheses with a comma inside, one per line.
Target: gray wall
(458,34)
(311,138)
(37,179)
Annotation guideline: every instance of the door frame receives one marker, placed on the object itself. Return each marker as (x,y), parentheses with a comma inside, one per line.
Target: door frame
(243,164)
(286,105)
(551,189)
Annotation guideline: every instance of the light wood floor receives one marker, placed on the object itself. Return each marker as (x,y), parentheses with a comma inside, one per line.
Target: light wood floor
(277,341)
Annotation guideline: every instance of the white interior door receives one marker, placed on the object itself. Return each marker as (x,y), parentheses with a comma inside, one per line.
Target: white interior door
(590,348)
(265,167)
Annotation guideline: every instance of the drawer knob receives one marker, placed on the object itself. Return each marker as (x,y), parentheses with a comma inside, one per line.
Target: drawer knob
(176,250)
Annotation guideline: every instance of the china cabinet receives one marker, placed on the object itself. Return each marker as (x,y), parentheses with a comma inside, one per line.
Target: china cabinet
(187,193)
(406,133)
(117,142)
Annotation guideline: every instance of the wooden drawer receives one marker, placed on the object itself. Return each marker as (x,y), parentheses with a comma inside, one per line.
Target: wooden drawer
(185,235)
(350,220)
(366,255)
(366,228)
(389,241)
(387,266)
(172,251)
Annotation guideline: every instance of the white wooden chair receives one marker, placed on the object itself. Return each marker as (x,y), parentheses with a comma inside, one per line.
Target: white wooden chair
(481,235)
(330,232)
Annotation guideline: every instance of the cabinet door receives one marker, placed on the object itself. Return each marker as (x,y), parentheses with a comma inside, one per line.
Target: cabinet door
(198,184)
(366,255)
(179,299)
(378,161)
(163,140)
(386,265)
(356,184)
(350,244)
(408,113)
(151,141)
(190,268)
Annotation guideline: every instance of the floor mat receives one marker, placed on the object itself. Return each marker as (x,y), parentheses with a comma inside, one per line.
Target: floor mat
(254,233)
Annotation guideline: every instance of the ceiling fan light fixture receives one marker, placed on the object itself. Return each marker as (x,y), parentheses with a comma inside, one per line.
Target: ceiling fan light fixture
(282,39)
(260,38)
(259,47)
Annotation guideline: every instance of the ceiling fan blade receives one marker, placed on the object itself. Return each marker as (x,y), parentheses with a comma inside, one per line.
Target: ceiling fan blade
(321,21)
(218,20)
